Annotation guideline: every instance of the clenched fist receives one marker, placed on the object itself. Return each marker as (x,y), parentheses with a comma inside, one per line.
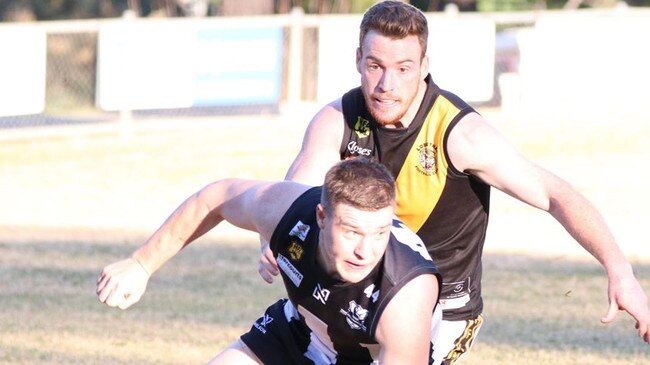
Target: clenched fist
(122,283)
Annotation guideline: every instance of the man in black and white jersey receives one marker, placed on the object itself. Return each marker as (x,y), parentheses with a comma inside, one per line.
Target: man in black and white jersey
(361,287)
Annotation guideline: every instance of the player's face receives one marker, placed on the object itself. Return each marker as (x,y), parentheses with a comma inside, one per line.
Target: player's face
(392,72)
(353,241)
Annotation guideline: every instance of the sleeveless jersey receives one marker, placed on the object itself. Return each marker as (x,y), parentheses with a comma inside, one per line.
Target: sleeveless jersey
(339,319)
(447,208)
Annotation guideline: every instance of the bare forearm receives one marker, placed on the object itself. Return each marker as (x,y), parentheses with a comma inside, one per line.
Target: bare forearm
(189,221)
(588,227)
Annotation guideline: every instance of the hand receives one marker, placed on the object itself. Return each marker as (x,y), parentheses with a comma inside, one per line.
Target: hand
(627,295)
(122,283)
(267,266)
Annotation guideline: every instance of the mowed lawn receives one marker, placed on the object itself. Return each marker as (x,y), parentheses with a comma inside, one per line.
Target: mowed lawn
(73,202)
(538,311)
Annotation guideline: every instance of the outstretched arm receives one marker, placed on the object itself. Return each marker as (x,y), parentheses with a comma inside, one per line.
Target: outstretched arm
(478,149)
(248,204)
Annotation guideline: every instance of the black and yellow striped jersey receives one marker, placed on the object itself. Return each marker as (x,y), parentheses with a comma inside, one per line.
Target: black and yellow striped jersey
(447,208)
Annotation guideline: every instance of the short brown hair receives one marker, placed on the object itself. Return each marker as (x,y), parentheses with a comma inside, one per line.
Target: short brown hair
(360,183)
(397,20)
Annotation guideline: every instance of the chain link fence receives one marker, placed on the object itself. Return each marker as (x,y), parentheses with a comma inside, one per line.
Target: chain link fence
(72,64)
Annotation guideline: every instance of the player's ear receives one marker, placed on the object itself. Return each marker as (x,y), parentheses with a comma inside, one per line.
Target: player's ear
(358,59)
(320,215)
(424,66)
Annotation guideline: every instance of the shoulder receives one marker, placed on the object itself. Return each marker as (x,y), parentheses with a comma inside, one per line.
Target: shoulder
(471,140)
(272,201)
(404,329)
(330,115)
(423,290)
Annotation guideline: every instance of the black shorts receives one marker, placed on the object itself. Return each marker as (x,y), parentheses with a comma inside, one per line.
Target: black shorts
(277,340)
(280,337)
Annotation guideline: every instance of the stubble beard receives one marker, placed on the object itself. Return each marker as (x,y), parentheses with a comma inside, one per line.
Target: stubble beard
(392,117)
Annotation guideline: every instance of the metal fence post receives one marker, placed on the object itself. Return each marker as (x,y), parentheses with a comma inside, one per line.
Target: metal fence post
(294,92)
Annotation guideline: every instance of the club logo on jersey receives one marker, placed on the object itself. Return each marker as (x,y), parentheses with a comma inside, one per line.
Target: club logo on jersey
(295,251)
(427,158)
(355,316)
(321,294)
(300,230)
(362,128)
(263,322)
(292,273)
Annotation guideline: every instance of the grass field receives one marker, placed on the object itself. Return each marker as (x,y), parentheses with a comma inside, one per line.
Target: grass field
(538,311)
(71,204)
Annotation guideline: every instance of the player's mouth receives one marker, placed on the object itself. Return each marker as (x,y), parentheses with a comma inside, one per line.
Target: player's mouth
(384,102)
(356,266)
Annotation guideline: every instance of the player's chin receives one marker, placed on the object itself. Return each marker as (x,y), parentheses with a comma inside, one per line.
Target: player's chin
(355,273)
(387,116)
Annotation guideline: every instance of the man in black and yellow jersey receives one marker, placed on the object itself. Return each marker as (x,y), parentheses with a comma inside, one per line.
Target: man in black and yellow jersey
(445,157)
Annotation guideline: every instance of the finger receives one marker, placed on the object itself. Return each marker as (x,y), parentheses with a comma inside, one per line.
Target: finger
(100,277)
(270,264)
(264,273)
(101,283)
(271,269)
(267,266)
(114,300)
(106,291)
(611,313)
(644,331)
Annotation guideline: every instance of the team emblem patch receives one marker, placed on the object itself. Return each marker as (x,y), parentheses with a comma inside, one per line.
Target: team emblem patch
(295,251)
(362,128)
(427,159)
(300,230)
(355,316)
(263,322)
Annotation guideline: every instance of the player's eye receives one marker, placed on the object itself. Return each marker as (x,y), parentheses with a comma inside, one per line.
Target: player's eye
(373,67)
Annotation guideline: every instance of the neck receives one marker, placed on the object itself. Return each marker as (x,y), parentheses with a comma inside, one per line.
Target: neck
(323,262)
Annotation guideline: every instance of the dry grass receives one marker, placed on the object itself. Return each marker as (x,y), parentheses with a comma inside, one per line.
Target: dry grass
(538,311)
(71,204)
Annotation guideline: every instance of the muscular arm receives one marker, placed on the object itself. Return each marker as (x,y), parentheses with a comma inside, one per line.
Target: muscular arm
(478,149)
(404,330)
(319,152)
(320,146)
(248,204)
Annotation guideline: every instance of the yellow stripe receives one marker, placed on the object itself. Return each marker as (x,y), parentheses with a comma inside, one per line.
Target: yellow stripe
(465,341)
(419,189)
